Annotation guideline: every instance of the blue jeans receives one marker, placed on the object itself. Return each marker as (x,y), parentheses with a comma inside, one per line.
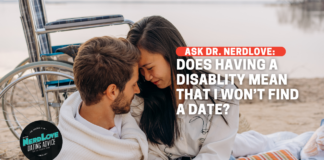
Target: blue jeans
(232,158)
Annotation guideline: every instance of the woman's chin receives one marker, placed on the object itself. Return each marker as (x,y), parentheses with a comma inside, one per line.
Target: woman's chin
(161,86)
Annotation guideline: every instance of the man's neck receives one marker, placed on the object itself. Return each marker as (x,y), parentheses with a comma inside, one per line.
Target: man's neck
(99,114)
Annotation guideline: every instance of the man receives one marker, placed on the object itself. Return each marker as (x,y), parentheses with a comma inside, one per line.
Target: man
(95,121)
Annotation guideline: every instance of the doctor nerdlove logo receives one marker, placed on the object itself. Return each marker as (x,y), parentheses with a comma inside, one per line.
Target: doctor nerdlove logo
(41,140)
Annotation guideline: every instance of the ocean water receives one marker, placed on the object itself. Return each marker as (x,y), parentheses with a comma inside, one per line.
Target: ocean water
(299,29)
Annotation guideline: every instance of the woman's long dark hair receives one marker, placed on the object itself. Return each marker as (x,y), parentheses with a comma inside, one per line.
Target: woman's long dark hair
(159,121)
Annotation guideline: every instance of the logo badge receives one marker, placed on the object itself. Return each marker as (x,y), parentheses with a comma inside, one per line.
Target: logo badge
(41,140)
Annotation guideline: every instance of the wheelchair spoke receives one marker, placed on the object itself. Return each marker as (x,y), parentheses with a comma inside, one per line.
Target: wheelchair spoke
(29,115)
(9,142)
(15,128)
(30,93)
(40,109)
(15,121)
(21,113)
(10,113)
(32,106)
(36,90)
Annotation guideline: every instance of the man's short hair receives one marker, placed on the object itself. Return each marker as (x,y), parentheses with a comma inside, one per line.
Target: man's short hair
(102,61)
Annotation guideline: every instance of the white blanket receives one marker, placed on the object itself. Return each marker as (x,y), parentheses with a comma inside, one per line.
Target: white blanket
(79,142)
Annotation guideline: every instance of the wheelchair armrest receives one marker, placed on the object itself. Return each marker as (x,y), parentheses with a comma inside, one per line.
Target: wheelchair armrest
(83,22)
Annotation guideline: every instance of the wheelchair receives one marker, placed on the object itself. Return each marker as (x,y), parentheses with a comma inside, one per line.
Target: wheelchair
(37,87)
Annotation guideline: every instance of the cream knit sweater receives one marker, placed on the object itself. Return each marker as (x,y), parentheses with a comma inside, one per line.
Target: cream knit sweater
(79,142)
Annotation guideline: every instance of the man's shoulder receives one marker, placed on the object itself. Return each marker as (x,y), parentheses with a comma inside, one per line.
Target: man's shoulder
(73,98)
(70,105)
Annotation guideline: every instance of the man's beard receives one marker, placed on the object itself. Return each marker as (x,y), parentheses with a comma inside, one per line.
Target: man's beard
(121,105)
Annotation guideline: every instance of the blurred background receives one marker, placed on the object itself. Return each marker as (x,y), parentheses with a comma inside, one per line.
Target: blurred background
(296,25)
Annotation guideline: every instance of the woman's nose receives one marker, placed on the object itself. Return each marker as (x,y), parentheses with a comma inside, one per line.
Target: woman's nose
(148,76)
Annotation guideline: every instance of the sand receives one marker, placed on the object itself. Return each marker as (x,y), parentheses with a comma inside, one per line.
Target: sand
(264,116)
(298,116)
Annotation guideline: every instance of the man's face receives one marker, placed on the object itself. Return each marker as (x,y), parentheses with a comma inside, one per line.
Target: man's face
(122,103)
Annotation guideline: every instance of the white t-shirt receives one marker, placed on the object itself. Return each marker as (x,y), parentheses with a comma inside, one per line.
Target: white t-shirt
(203,136)
(115,131)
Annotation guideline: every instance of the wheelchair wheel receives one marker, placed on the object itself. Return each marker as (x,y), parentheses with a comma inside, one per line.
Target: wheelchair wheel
(24,62)
(24,101)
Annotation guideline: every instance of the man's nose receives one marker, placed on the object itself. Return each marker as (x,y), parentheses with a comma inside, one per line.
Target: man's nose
(137,90)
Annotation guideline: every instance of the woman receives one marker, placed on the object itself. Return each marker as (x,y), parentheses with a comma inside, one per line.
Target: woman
(172,136)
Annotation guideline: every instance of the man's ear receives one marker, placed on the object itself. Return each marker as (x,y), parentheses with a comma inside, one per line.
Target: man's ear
(112,92)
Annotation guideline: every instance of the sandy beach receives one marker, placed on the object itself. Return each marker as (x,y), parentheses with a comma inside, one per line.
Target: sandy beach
(264,116)
(298,116)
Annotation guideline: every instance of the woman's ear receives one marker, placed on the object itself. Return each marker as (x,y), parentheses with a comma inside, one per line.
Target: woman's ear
(111,92)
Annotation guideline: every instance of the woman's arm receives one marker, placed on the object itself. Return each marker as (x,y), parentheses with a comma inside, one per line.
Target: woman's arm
(220,139)
(155,153)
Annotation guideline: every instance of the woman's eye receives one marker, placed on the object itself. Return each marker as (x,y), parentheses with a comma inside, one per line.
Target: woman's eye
(142,71)
(149,68)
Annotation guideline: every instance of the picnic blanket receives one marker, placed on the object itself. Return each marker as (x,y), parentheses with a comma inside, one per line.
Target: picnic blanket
(276,155)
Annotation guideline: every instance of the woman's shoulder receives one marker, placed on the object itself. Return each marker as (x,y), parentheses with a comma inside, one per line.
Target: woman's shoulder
(137,102)
(137,107)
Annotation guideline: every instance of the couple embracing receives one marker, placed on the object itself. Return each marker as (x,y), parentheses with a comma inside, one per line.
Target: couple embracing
(125,107)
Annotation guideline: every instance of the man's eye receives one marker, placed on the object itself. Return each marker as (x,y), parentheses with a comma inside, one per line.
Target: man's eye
(149,68)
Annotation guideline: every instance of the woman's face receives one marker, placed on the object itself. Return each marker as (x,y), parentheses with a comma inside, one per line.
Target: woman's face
(155,68)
